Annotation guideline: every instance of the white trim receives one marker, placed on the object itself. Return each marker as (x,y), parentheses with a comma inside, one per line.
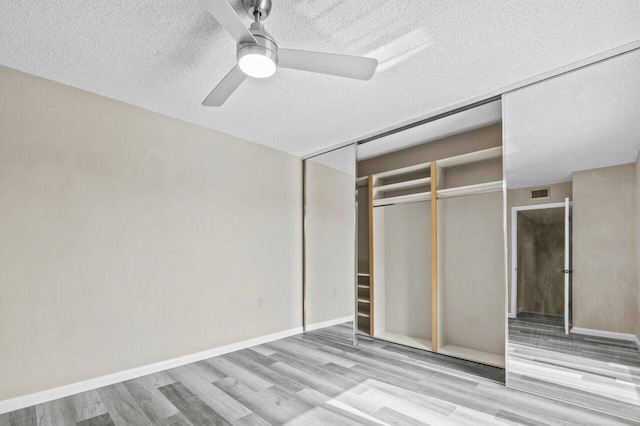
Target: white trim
(329,323)
(567,265)
(608,334)
(514,248)
(74,388)
(24,401)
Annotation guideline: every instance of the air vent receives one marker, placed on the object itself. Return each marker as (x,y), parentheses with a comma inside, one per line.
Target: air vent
(540,194)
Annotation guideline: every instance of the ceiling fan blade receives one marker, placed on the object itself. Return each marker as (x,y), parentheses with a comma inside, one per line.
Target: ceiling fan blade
(230,21)
(328,63)
(225,88)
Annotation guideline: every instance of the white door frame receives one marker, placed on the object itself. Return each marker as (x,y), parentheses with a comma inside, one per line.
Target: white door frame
(514,248)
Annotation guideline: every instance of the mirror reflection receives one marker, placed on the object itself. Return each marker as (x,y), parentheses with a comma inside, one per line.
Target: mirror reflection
(329,241)
(573,197)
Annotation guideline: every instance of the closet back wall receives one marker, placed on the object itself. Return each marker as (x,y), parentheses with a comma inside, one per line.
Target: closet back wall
(128,238)
(407,269)
(474,140)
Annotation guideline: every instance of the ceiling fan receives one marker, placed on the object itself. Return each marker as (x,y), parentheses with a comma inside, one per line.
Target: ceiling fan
(259,56)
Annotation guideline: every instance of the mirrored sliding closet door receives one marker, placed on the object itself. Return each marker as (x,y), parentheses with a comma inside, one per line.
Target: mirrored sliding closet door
(573,200)
(329,237)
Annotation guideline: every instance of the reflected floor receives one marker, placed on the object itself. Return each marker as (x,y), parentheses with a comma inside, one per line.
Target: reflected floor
(590,371)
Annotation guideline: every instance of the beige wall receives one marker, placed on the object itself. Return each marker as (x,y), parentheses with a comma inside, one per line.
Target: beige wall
(604,264)
(521,197)
(127,237)
(407,269)
(330,243)
(637,216)
(472,293)
(475,140)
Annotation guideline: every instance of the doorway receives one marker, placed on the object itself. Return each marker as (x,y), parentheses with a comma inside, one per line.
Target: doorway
(541,263)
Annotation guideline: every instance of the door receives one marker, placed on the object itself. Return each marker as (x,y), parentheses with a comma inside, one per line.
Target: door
(567,265)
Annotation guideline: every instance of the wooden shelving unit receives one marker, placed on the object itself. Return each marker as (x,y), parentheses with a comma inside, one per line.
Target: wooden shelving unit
(405,185)
(363,303)
(364,278)
(433,182)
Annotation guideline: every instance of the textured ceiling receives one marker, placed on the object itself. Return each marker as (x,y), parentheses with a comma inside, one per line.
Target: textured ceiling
(582,120)
(342,159)
(166,56)
(461,122)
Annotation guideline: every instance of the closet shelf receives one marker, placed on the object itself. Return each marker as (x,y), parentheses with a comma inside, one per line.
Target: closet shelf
(403,171)
(363,274)
(360,300)
(473,355)
(409,184)
(472,157)
(401,339)
(362,314)
(363,286)
(478,188)
(364,331)
(403,199)
(362,181)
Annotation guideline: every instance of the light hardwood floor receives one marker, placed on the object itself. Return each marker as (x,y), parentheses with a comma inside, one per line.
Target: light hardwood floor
(590,371)
(318,378)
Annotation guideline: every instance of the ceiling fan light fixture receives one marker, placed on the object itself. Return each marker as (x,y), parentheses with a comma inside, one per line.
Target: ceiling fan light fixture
(257,61)
(258,54)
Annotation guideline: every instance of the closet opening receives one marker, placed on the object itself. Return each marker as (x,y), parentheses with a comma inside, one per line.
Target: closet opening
(431,245)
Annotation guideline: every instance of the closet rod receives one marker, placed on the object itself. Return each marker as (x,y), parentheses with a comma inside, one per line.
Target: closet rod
(401,203)
(486,191)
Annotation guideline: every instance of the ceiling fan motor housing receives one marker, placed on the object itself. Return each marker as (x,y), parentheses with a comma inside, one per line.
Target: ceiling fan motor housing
(265,46)
(262,7)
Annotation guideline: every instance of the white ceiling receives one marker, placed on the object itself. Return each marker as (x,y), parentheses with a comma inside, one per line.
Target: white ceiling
(342,159)
(461,122)
(166,56)
(582,120)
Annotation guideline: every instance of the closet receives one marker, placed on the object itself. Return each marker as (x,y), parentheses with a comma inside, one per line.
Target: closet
(363,279)
(432,275)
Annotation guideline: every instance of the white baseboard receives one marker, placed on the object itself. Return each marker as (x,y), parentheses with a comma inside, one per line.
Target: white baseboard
(323,324)
(120,376)
(607,334)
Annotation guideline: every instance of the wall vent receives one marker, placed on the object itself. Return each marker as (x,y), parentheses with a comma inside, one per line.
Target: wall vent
(540,194)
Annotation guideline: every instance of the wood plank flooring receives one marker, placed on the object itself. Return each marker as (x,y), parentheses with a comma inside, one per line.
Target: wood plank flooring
(593,372)
(317,378)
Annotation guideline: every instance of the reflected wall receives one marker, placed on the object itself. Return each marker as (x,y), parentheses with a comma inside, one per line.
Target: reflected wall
(330,253)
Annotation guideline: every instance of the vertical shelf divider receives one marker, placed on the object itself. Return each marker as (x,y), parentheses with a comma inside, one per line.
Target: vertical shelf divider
(434,259)
(371,272)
